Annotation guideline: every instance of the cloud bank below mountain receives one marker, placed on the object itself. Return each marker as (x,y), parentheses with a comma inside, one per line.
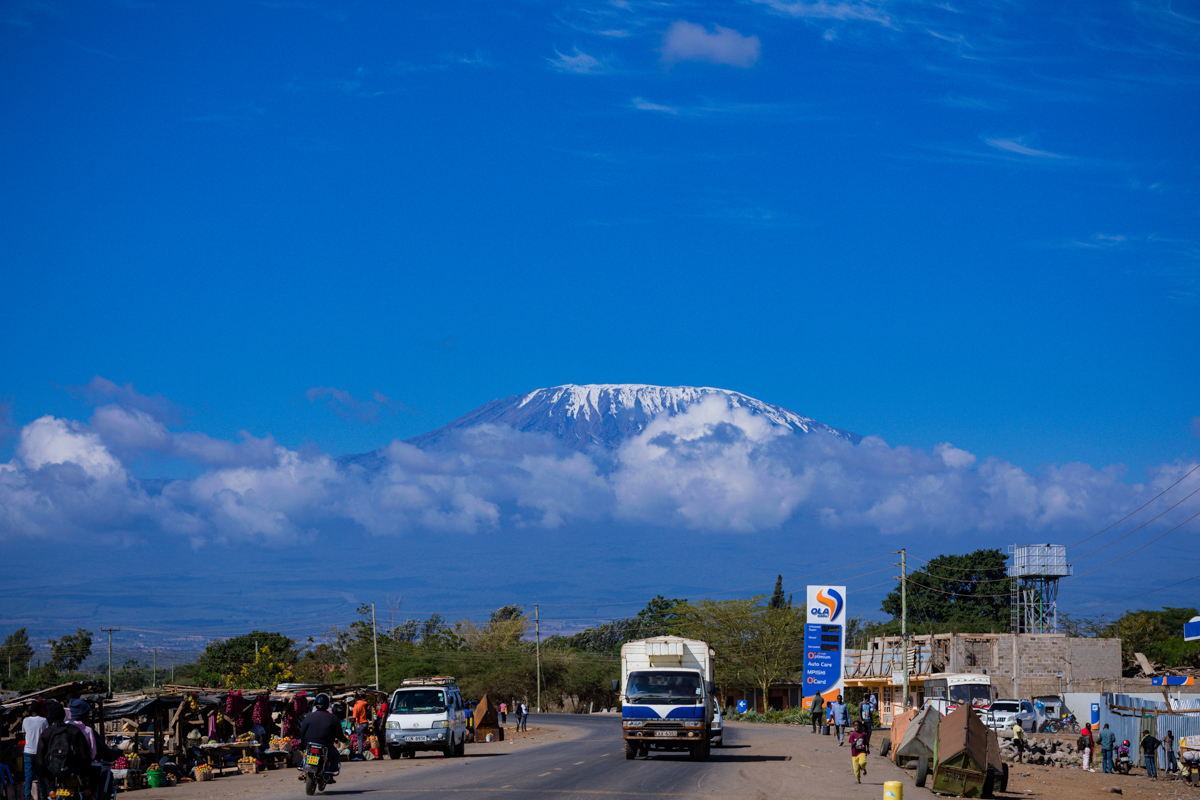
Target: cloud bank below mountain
(712,468)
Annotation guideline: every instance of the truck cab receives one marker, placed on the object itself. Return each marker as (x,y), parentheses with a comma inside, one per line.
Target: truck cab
(666,689)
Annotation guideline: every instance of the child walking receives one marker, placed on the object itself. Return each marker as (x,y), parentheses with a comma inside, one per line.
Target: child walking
(859,747)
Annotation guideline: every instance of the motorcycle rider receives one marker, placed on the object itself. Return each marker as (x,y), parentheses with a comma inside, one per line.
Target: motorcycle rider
(322,727)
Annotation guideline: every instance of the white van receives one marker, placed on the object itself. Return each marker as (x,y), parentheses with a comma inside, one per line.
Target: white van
(426,714)
(718,724)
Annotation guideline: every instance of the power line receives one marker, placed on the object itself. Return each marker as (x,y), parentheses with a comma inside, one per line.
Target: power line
(1139,594)
(1139,508)
(1139,527)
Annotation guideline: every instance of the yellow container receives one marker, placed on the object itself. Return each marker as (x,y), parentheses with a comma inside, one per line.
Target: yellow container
(893,790)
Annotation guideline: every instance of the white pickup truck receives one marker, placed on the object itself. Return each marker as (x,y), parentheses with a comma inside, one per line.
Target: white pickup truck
(666,688)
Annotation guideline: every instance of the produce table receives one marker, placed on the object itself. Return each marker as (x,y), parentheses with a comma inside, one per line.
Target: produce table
(215,752)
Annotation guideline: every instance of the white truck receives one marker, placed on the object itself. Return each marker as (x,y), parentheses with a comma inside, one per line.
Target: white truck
(666,689)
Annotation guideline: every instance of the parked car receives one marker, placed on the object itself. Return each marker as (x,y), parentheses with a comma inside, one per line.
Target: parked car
(718,727)
(1005,711)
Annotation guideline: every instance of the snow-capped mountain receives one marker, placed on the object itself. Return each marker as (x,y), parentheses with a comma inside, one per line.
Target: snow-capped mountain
(605,414)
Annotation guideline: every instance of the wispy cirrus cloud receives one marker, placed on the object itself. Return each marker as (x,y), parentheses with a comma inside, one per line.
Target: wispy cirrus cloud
(1019,147)
(579,63)
(643,104)
(687,41)
(347,406)
(825,10)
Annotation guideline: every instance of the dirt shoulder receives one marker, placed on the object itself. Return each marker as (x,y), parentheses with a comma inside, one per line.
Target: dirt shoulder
(283,782)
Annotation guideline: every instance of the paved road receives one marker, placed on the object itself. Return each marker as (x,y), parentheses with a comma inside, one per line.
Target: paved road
(586,760)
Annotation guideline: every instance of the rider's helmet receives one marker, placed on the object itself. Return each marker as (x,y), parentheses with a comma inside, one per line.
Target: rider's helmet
(322,701)
(1126,743)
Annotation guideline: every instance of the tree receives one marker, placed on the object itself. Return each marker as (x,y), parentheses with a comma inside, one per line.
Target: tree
(67,653)
(1158,635)
(749,636)
(658,618)
(16,652)
(262,673)
(969,592)
(504,630)
(777,599)
(221,658)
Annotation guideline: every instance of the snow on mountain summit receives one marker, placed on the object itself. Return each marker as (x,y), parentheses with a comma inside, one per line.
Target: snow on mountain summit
(605,414)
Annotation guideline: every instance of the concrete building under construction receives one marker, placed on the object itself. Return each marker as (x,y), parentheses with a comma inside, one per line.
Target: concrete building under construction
(1019,665)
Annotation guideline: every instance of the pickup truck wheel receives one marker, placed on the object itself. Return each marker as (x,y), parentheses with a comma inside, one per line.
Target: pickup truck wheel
(922,771)
(630,751)
(394,752)
(719,741)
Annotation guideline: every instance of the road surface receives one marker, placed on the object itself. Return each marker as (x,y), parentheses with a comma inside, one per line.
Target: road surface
(581,757)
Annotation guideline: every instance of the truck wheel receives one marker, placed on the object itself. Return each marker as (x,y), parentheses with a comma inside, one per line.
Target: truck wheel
(394,752)
(989,784)
(706,749)
(1004,778)
(696,752)
(630,751)
(922,771)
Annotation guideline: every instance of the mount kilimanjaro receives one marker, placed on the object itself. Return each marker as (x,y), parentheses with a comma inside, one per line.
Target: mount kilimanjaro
(602,415)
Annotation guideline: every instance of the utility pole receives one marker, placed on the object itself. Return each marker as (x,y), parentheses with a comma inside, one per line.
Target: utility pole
(375,640)
(109,631)
(904,616)
(537,627)
(154,671)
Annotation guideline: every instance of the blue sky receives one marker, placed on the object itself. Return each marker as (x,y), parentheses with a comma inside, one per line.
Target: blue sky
(333,225)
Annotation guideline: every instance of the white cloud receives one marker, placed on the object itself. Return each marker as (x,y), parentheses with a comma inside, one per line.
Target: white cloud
(712,468)
(49,440)
(578,62)
(687,41)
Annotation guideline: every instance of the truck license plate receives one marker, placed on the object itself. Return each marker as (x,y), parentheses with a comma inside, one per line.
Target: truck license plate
(664,733)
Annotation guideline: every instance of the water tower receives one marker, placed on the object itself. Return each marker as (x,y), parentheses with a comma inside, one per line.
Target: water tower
(1034,574)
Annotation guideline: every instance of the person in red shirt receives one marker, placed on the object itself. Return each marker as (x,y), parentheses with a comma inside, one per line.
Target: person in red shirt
(859,747)
(362,724)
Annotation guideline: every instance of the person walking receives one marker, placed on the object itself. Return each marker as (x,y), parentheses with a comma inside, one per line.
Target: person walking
(1108,743)
(859,747)
(362,724)
(841,718)
(865,713)
(1149,750)
(1085,745)
(1169,747)
(1018,735)
(32,727)
(818,711)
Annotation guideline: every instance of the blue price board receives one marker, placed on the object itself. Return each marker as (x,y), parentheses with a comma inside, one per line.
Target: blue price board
(822,658)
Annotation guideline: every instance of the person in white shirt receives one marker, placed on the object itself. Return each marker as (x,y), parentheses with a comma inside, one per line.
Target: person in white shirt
(32,727)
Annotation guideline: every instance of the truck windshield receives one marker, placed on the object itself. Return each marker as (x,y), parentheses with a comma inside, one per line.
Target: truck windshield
(418,701)
(663,688)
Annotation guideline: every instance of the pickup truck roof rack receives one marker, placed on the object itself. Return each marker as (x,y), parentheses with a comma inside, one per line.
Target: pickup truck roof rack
(441,680)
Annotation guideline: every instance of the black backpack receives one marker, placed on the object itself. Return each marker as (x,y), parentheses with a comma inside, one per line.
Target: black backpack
(64,752)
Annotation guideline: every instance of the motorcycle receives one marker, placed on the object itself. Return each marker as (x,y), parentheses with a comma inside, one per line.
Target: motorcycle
(1122,763)
(314,769)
